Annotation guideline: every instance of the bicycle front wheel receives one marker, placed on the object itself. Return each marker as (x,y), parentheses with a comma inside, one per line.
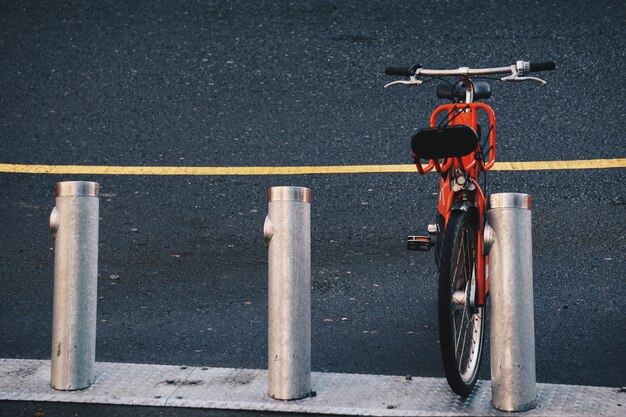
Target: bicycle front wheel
(461,323)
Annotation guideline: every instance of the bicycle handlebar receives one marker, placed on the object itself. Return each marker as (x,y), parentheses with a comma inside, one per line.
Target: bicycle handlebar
(515,71)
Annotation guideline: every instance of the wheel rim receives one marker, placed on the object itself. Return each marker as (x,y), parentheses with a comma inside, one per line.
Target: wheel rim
(466,319)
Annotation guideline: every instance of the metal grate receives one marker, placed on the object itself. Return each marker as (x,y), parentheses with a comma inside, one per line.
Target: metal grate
(246,389)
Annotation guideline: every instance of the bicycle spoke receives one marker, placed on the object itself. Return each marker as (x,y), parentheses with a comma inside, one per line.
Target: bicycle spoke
(460,261)
(466,326)
(456,265)
(465,246)
(460,357)
(458,339)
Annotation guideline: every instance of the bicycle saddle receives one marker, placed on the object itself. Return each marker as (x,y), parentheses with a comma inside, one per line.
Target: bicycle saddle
(482,90)
(445,142)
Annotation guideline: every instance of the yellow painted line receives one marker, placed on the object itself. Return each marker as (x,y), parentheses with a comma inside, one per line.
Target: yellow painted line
(559,165)
(170,170)
(293,170)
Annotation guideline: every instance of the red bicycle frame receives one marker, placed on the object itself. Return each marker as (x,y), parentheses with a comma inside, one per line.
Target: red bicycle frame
(465,114)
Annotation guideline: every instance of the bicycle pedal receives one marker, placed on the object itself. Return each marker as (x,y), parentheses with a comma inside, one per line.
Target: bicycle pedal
(420,243)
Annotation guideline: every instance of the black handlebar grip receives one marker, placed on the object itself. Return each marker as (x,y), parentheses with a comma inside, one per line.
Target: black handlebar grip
(542,66)
(402,71)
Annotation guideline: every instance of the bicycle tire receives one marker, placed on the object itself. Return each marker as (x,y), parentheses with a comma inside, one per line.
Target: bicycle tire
(457,316)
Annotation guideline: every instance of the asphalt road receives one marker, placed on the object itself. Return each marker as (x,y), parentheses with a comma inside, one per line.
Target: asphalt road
(182,272)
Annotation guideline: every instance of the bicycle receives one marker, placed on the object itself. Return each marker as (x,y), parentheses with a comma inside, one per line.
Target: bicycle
(453,146)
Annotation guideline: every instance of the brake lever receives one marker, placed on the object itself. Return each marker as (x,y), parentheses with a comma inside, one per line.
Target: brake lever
(516,77)
(412,81)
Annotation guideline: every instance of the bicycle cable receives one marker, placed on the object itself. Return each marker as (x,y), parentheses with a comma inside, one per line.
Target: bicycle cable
(448,120)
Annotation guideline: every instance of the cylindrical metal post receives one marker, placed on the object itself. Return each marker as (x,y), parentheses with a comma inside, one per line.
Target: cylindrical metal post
(512,338)
(74,223)
(287,230)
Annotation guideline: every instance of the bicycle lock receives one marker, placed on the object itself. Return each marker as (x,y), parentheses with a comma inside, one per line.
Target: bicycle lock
(508,242)
(287,231)
(74,225)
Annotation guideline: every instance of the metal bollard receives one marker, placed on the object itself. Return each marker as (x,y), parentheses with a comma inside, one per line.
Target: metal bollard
(74,224)
(287,231)
(508,240)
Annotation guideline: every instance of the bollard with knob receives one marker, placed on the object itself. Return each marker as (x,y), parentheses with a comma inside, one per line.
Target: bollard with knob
(287,231)
(74,224)
(508,241)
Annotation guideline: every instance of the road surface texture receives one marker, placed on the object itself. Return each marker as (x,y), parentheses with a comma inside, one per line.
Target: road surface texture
(183,266)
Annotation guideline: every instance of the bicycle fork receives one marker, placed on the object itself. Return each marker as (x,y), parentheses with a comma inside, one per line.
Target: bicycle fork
(473,197)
